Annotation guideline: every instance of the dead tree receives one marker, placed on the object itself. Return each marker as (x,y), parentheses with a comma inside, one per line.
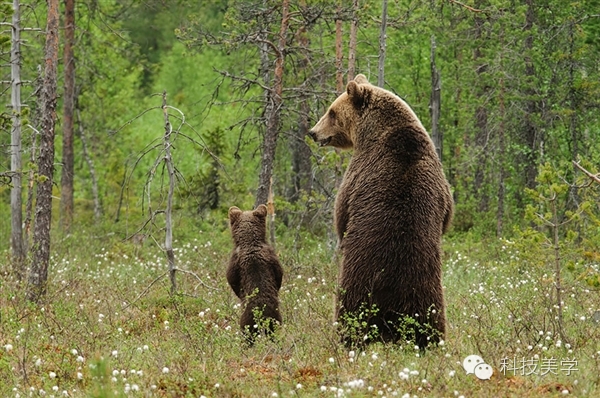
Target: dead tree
(16,201)
(163,161)
(169,208)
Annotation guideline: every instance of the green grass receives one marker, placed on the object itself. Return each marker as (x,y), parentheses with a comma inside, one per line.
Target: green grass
(108,327)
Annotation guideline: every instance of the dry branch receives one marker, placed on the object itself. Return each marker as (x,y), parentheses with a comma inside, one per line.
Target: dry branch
(594,177)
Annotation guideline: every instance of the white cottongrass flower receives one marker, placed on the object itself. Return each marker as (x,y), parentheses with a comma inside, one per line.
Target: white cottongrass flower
(8,347)
(358,383)
(166,370)
(52,375)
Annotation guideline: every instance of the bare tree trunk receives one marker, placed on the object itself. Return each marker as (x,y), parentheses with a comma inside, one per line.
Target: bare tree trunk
(273,112)
(554,225)
(382,45)
(168,210)
(68,159)
(352,44)
(339,74)
(435,103)
(573,202)
(38,276)
(530,130)
(501,156)
(301,167)
(88,159)
(481,118)
(30,189)
(16,199)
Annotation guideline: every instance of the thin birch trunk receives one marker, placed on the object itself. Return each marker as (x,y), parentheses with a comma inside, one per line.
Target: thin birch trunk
(68,157)
(168,217)
(382,45)
(352,44)
(90,162)
(339,75)
(16,199)
(435,103)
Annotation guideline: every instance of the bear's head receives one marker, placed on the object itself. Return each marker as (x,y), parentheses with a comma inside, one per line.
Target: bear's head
(248,228)
(362,107)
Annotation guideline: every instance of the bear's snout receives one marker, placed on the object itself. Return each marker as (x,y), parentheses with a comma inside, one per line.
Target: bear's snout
(320,141)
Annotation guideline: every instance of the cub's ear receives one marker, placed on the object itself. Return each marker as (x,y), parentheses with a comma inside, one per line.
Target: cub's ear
(361,79)
(234,214)
(357,93)
(260,211)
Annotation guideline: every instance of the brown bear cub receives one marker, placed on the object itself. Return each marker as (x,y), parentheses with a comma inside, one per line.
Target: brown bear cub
(391,210)
(254,272)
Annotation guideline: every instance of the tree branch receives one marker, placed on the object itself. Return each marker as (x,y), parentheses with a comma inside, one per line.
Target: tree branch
(465,6)
(594,177)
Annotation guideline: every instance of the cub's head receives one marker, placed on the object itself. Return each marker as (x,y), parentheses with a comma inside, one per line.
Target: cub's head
(338,126)
(248,227)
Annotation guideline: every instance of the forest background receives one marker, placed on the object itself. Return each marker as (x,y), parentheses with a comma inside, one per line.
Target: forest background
(167,113)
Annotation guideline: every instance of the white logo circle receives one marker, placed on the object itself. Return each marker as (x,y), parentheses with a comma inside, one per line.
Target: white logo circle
(470,362)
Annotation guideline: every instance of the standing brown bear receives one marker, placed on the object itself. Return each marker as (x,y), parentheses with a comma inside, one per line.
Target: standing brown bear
(391,210)
(254,272)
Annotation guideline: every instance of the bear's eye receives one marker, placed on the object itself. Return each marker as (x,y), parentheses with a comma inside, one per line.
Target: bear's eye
(331,114)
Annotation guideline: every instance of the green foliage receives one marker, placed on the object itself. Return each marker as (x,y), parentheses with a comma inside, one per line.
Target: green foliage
(355,326)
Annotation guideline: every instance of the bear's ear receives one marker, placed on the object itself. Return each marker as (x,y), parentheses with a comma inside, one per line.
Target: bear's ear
(356,93)
(260,211)
(234,214)
(361,79)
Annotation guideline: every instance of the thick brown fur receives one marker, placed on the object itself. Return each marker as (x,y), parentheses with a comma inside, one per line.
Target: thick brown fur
(391,210)
(254,272)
